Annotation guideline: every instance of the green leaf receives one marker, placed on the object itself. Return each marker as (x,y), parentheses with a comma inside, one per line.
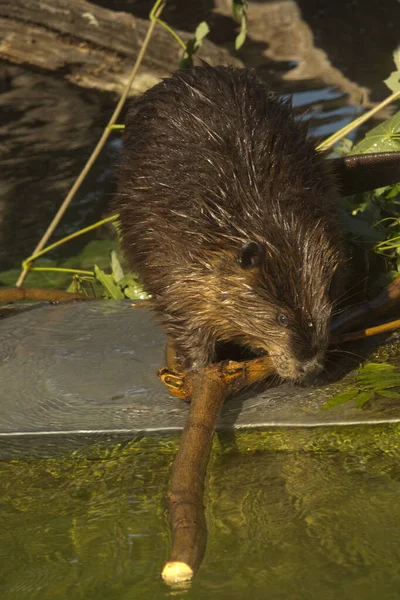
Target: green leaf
(374,381)
(383,138)
(96,252)
(393,191)
(116,268)
(393,81)
(363,398)
(377,378)
(131,287)
(389,394)
(193,45)
(239,11)
(135,293)
(342,148)
(384,384)
(201,31)
(378,383)
(241,38)
(396,57)
(385,379)
(377,368)
(74,286)
(341,398)
(111,290)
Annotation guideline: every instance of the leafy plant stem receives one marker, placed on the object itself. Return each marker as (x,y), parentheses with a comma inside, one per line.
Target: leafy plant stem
(173,33)
(62,270)
(154,14)
(27,263)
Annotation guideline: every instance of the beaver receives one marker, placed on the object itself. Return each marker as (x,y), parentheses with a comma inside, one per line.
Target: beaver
(229,216)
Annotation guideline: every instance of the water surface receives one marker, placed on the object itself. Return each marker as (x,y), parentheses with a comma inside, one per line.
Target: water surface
(300,514)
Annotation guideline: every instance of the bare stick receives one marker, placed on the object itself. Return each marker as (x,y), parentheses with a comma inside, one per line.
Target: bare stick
(209,388)
(9,295)
(185,499)
(369,332)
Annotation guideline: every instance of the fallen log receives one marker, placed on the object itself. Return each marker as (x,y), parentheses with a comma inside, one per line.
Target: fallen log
(89,45)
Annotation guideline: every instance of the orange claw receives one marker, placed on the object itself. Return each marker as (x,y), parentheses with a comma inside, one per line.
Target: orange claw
(235,375)
(175,383)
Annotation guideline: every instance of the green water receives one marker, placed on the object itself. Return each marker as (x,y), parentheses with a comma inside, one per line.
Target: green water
(306,514)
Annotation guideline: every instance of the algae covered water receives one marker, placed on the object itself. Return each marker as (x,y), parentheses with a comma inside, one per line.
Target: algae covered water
(300,514)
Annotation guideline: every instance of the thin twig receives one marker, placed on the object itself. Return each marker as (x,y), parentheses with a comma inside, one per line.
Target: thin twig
(331,140)
(71,236)
(363,333)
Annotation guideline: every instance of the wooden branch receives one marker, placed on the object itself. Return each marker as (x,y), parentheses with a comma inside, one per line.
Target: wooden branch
(185,499)
(90,46)
(209,388)
(363,333)
(9,295)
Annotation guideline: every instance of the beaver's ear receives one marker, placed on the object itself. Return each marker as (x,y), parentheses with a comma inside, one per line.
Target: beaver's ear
(364,172)
(251,255)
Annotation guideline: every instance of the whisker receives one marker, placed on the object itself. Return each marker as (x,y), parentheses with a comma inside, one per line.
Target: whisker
(339,367)
(344,295)
(337,351)
(339,311)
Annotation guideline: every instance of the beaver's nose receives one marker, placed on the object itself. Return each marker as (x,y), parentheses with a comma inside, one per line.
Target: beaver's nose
(310,369)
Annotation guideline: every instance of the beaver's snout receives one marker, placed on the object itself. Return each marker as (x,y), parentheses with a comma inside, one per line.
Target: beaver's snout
(302,372)
(309,370)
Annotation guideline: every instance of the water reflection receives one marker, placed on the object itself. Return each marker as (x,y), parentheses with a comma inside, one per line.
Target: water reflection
(313,517)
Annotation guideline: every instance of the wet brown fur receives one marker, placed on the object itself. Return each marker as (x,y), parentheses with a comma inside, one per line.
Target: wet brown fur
(212,161)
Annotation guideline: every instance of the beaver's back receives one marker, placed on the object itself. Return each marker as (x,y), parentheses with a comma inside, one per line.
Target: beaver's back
(213,158)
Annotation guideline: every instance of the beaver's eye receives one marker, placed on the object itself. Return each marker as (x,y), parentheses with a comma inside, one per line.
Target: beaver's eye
(251,255)
(283,320)
(310,324)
